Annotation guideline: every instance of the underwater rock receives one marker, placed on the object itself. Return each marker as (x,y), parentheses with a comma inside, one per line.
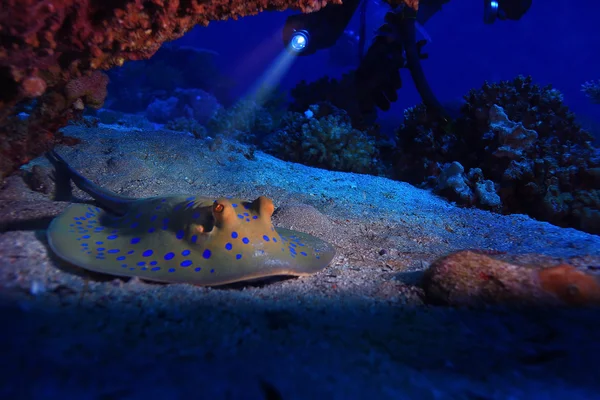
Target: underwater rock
(471,278)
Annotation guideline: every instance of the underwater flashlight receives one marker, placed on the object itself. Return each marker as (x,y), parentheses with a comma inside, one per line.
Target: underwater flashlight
(326,26)
(504,9)
(299,41)
(490,11)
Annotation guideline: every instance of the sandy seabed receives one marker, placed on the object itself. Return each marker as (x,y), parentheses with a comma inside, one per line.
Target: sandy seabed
(359,329)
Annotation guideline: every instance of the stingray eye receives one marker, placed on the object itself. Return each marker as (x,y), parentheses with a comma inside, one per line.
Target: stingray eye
(218,207)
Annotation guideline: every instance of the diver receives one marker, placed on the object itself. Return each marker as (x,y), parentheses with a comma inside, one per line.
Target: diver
(395,46)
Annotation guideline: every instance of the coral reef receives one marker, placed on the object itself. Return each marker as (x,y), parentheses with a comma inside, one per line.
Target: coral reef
(515,140)
(341,93)
(188,103)
(137,84)
(45,45)
(592,90)
(470,278)
(324,137)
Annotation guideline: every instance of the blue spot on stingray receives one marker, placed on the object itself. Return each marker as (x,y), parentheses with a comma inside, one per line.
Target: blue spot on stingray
(190,198)
(193,238)
(150,230)
(158,207)
(84,244)
(153,218)
(171,269)
(266,238)
(141,263)
(112,251)
(234,205)
(120,258)
(180,234)
(255,217)
(143,268)
(246,240)
(186,263)
(130,252)
(177,207)
(303,253)
(138,215)
(163,200)
(134,225)
(246,214)
(198,269)
(134,240)
(185,253)
(240,216)
(155,269)
(206,254)
(169,256)
(76,218)
(99,228)
(275,239)
(71,224)
(112,237)
(246,206)
(318,257)
(153,262)
(293,244)
(238,256)
(247,219)
(189,205)
(124,265)
(228,246)
(147,253)
(100,248)
(234,235)
(196,215)
(212,271)
(85,237)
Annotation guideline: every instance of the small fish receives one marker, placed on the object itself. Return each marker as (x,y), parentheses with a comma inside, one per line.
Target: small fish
(180,238)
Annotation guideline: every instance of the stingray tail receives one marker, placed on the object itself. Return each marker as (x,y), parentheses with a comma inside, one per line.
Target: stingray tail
(63,176)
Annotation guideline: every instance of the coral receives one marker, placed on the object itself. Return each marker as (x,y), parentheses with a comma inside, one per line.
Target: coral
(472,278)
(59,41)
(324,137)
(162,111)
(245,120)
(183,124)
(592,90)
(523,139)
(91,89)
(341,93)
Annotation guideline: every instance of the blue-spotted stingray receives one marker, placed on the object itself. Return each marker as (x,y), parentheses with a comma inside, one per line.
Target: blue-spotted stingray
(186,239)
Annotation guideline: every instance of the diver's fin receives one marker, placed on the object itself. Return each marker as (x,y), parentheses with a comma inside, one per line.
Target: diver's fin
(64,174)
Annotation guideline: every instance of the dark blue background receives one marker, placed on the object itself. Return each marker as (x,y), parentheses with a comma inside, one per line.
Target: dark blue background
(557,42)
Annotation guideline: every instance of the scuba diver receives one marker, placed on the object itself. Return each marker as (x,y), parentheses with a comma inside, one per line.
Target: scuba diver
(377,78)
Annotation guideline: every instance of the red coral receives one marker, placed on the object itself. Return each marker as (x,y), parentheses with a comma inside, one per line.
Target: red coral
(92,89)
(62,40)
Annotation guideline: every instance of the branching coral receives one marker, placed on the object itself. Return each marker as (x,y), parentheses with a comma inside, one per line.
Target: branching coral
(324,137)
